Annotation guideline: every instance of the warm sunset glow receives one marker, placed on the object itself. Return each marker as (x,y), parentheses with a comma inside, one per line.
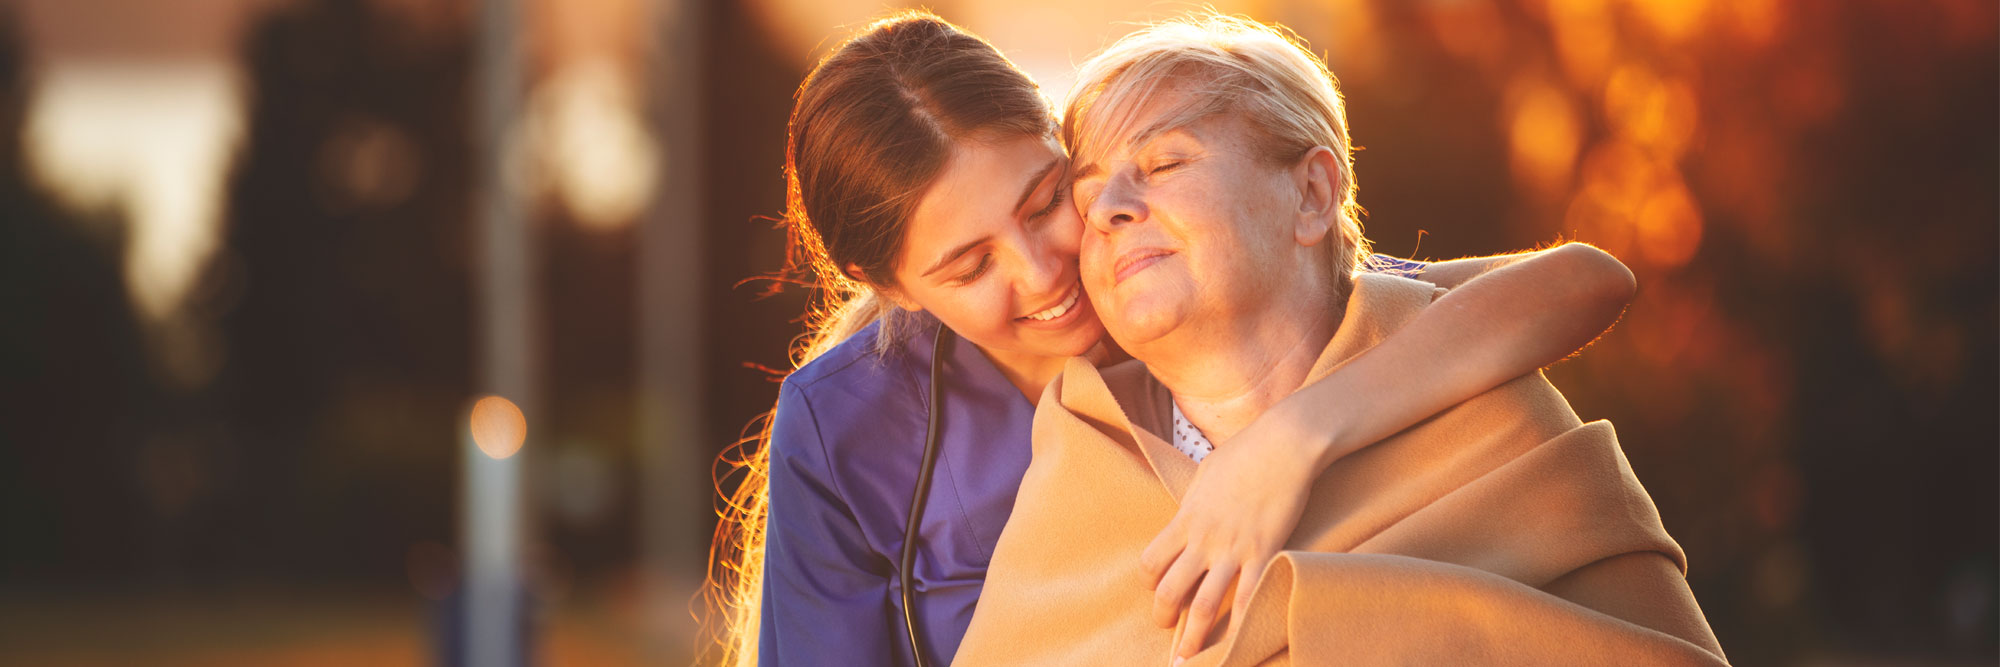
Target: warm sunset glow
(498,427)
(1756,22)
(1543,133)
(1586,37)
(1465,29)
(1654,113)
(1675,20)
(1047,39)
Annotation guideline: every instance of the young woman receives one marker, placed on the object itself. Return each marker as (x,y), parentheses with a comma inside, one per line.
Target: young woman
(929,195)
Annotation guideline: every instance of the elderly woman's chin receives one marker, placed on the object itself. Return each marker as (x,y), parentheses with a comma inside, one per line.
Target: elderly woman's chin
(1137,316)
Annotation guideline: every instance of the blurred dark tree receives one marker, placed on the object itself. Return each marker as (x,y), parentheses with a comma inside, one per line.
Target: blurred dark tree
(74,394)
(349,346)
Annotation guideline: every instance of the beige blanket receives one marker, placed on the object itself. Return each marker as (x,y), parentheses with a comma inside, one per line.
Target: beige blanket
(1501,531)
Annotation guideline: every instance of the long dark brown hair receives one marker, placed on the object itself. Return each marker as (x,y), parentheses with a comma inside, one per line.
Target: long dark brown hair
(873,125)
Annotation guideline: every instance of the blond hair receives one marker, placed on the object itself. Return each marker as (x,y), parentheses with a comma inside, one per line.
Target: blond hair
(1222,64)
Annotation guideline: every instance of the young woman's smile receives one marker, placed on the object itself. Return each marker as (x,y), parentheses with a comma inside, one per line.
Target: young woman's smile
(1070,308)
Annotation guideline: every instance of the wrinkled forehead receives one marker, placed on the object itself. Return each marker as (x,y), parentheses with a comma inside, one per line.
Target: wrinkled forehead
(1136,105)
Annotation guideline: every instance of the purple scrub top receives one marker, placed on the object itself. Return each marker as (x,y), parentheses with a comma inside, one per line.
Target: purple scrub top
(845,447)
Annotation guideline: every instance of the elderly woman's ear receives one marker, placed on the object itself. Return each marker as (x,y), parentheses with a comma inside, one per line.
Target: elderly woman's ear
(1318,178)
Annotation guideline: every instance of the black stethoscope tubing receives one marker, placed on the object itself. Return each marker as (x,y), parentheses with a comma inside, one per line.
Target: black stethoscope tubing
(920,499)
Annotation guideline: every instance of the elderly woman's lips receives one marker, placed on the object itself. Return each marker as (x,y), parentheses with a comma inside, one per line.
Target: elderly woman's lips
(1135,261)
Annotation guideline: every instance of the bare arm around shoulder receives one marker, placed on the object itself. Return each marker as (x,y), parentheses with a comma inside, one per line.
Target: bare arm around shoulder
(1505,316)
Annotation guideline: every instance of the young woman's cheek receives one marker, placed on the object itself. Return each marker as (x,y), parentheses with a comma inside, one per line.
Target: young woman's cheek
(961,308)
(994,306)
(1067,231)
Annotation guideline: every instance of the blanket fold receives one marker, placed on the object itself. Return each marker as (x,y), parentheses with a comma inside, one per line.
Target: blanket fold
(1501,531)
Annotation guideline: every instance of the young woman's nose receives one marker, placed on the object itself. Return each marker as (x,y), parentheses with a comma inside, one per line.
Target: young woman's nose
(1045,263)
(1117,204)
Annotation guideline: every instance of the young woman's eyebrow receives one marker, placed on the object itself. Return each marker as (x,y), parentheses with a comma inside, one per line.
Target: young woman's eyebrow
(1035,182)
(954,254)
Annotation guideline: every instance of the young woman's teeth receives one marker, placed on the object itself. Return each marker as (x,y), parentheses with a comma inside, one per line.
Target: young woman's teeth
(1060,309)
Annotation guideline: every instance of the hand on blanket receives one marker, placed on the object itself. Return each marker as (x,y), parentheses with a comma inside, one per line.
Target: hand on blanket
(1243,504)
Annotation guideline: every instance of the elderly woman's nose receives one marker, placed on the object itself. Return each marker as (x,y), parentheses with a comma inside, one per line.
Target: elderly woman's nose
(1117,204)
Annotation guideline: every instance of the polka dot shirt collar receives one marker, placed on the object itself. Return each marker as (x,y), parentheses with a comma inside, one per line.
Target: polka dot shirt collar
(1189,439)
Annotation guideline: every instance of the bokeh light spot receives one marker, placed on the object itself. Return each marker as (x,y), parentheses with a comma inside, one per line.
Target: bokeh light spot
(367,163)
(1465,28)
(1585,38)
(1543,134)
(1675,20)
(1655,113)
(1618,174)
(594,148)
(1670,227)
(1757,22)
(498,427)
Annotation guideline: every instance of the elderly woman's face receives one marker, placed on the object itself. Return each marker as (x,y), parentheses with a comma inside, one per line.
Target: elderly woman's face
(1183,226)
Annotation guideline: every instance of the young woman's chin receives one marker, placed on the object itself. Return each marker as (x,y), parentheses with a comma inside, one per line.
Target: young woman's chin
(1076,344)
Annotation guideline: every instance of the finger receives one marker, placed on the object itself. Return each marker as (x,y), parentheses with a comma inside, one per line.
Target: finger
(1174,587)
(1161,553)
(1207,604)
(1246,584)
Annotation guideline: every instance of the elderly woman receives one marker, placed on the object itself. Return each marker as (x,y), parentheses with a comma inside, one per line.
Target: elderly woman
(1213,170)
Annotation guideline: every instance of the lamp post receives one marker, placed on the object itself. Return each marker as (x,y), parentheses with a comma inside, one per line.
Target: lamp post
(491,517)
(673,464)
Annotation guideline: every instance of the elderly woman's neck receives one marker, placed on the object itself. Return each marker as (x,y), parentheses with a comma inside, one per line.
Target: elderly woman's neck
(1225,379)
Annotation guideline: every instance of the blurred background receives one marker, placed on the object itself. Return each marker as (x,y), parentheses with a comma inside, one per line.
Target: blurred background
(258,258)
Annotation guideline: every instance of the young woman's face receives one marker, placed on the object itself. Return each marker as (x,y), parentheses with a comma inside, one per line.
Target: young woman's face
(992,250)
